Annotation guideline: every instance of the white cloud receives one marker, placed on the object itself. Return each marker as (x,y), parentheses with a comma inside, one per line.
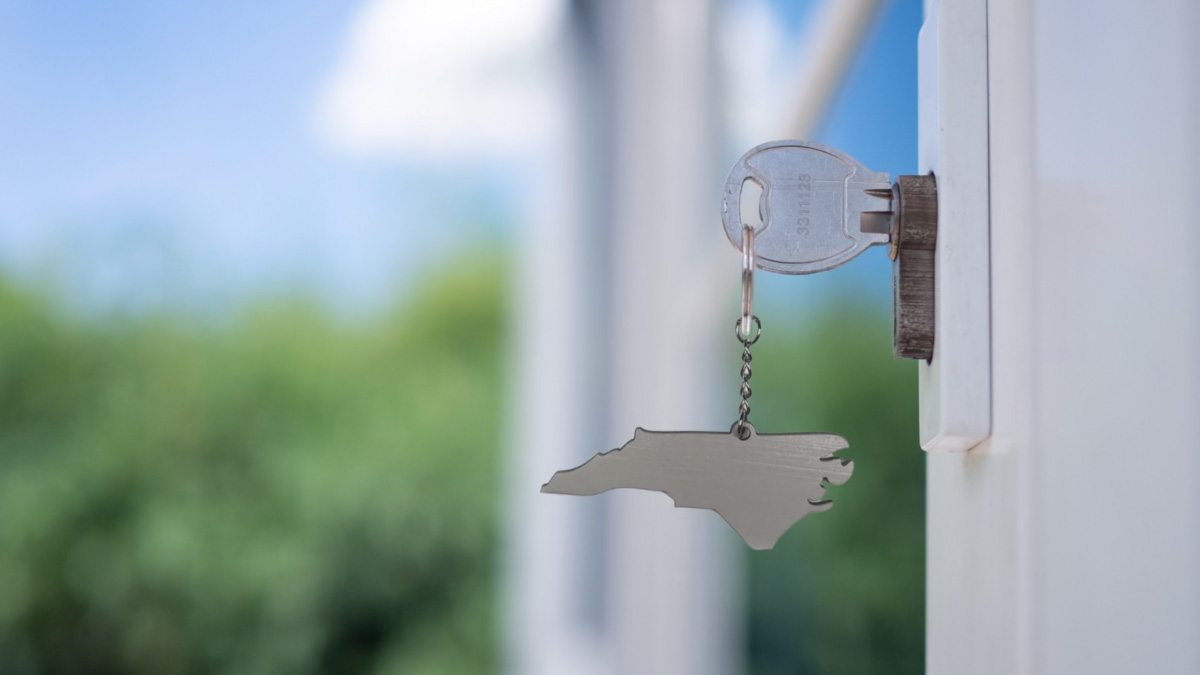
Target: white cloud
(443,79)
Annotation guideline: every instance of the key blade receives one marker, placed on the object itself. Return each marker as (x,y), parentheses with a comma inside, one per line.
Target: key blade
(875,216)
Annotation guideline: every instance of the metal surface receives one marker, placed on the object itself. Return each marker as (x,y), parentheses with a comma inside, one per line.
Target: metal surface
(747,330)
(742,427)
(799,208)
(761,486)
(914,238)
(819,207)
(747,281)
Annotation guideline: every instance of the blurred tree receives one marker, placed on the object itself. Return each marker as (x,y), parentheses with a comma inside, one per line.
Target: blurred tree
(844,591)
(282,493)
(288,493)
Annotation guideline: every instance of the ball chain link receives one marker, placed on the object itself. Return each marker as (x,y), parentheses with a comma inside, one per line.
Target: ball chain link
(743,428)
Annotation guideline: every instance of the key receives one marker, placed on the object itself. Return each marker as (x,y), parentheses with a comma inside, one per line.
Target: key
(817,207)
(761,485)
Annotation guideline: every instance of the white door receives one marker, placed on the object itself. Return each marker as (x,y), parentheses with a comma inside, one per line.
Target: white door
(1068,540)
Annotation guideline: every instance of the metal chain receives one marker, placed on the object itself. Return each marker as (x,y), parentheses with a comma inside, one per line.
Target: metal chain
(743,430)
(747,329)
(744,408)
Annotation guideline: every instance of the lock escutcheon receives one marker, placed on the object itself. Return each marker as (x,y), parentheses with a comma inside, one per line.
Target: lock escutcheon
(912,247)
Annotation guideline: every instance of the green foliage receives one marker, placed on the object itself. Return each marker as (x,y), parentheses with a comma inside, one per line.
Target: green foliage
(289,493)
(282,494)
(843,591)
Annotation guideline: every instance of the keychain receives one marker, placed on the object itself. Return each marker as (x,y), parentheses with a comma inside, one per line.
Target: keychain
(761,484)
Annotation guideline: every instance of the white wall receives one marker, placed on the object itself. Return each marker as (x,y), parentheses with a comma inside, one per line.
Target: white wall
(1069,542)
(618,328)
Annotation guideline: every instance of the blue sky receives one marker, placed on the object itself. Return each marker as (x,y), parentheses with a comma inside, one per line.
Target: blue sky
(873,117)
(153,150)
(179,107)
(149,142)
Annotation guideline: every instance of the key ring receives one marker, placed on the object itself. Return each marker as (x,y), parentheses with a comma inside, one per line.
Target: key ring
(744,328)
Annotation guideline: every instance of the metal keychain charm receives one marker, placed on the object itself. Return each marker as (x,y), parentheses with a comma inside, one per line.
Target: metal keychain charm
(761,484)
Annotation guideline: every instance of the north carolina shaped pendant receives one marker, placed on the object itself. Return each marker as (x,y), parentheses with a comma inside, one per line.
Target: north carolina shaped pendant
(761,485)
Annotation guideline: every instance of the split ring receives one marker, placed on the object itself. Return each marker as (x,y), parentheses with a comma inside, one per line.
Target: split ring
(748,264)
(746,339)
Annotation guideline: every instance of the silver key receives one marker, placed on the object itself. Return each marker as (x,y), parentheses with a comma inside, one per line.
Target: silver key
(817,207)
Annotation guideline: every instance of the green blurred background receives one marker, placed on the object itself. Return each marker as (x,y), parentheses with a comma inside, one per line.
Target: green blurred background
(284,491)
